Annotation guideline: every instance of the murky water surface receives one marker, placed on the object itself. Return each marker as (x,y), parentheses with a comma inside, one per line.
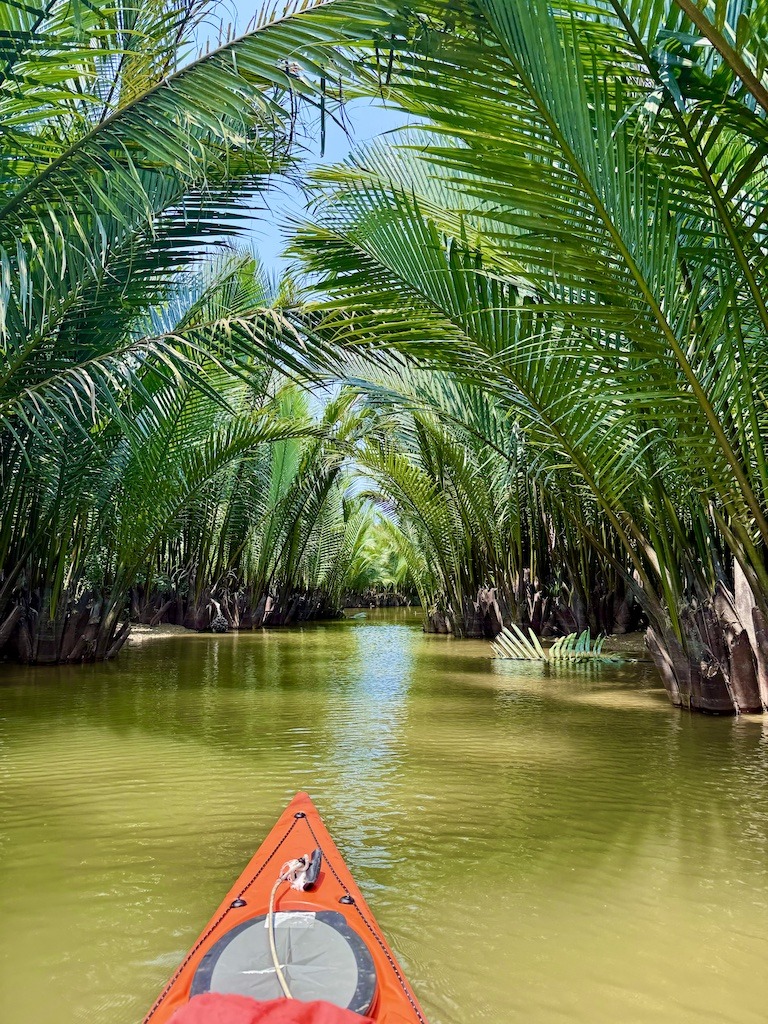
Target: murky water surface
(541,848)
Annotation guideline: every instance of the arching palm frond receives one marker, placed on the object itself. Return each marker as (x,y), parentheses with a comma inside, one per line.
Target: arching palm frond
(587,247)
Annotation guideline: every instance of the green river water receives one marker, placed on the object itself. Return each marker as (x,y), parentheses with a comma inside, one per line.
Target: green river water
(542,847)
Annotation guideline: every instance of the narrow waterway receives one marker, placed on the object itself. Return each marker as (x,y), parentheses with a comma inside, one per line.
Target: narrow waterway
(548,848)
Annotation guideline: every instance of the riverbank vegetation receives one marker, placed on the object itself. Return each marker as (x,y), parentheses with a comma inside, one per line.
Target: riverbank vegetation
(152,445)
(539,318)
(581,237)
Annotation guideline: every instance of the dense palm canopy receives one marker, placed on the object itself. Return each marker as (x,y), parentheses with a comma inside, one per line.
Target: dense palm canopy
(581,236)
(270,536)
(546,305)
(131,378)
(485,542)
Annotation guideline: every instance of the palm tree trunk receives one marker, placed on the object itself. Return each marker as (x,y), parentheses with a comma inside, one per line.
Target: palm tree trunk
(720,664)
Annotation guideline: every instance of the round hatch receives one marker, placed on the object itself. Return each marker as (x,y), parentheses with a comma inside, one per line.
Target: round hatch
(320,955)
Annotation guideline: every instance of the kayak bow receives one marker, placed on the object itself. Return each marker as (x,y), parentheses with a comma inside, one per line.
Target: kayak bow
(326,940)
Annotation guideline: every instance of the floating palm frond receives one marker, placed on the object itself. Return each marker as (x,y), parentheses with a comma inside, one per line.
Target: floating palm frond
(513,645)
(580,647)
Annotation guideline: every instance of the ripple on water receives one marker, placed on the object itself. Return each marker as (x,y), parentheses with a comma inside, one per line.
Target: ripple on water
(538,846)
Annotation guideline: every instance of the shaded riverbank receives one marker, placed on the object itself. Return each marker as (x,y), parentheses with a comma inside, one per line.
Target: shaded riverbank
(565,847)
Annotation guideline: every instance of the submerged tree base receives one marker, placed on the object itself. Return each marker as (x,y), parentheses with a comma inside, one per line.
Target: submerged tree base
(723,668)
(90,628)
(719,667)
(241,609)
(529,605)
(85,629)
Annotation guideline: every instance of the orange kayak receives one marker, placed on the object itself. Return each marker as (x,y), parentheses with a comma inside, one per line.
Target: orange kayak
(324,938)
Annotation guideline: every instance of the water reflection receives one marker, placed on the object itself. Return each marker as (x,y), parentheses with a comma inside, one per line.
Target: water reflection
(538,846)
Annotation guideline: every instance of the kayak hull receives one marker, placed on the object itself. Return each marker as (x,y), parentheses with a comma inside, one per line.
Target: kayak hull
(298,831)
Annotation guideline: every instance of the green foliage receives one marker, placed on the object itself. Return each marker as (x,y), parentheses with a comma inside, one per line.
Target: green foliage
(139,378)
(454,511)
(585,248)
(579,648)
(381,564)
(548,306)
(512,644)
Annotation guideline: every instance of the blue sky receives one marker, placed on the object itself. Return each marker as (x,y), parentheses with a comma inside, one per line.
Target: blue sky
(365,119)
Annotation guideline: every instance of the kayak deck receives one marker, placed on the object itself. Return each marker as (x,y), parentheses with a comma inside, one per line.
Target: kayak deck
(298,831)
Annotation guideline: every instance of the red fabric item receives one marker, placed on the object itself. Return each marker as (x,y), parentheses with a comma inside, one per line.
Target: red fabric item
(215,1009)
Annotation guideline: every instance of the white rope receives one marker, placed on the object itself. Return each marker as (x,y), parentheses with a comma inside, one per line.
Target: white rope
(295,872)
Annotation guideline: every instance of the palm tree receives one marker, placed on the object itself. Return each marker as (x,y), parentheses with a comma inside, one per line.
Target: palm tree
(125,158)
(219,495)
(80,524)
(272,536)
(381,573)
(487,545)
(582,236)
